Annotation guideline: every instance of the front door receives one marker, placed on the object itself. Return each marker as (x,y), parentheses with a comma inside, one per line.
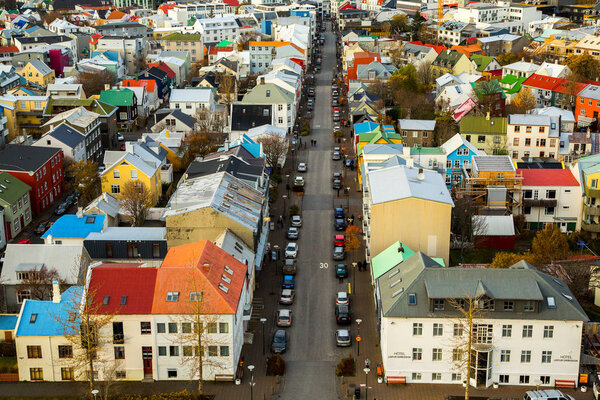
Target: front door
(147,360)
(8,336)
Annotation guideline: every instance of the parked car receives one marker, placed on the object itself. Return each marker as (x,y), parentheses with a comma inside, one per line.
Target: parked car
(341,298)
(338,213)
(339,253)
(61,209)
(120,137)
(292,233)
(25,241)
(336,110)
(302,167)
(42,227)
(336,175)
(296,221)
(291,250)
(336,118)
(299,181)
(335,156)
(279,344)
(340,224)
(343,338)
(311,92)
(337,184)
(337,126)
(284,318)
(287,296)
(342,315)
(550,394)
(339,240)
(288,282)
(289,267)
(341,271)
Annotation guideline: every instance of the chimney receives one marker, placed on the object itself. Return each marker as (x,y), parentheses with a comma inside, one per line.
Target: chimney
(50,239)
(104,196)
(421,175)
(56,298)
(400,248)
(167,133)
(410,162)
(79,212)
(262,80)
(226,145)
(487,116)
(106,86)
(206,267)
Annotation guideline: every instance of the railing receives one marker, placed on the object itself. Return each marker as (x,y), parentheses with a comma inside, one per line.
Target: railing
(591,210)
(592,192)
(591,227)
(540,202)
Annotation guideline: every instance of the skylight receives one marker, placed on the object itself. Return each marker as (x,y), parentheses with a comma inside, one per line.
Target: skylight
(551,302)
(397,292)
(396,272)
(90,220)
(226,278)
(223,288)
(33,318)
(228,270)
(123,300)
(395,283)
(105,300)
(172,296)
(567,296)
(412,299)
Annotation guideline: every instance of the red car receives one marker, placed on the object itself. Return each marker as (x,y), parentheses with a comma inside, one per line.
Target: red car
(339,241)
(25,241)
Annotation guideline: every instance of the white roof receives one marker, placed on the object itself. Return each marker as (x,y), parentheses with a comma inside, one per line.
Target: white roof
(232,244)
(106,203)
(171,60)
(417,124)
(127,233)
(494,225)
(401,182)
(266,130)
(196,95)
(565,115)
(522,66)
(553,70)
(455,142)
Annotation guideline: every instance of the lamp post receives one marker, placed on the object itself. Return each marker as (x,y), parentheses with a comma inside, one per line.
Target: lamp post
(367,370)
(358,321)
(95,393)
(263,320)
(284,197)
(251,369)
(354,276)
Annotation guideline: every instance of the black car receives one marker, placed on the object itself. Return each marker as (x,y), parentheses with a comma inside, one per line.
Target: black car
(337,184)
(61,209)
(340,225)
(342,315)
(337,175)
(341,271)
(279,344)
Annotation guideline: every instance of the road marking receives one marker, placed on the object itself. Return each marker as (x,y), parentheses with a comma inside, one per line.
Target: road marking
(317,126)
(349,288)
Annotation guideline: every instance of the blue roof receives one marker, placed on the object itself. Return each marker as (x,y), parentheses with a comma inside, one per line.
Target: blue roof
(364,127)
(109,54)
(8,322)
(71,226)
(247,143)
(48,314)
(67,135)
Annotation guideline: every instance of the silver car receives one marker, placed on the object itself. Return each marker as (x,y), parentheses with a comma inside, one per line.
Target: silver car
(296,221)
(284,318)
(339,253)
(292,233)
(343,338)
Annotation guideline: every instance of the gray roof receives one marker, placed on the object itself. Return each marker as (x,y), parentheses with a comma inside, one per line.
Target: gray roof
(67,135)
(492,163)
(16,157)
(422,276)
(128,233)
(528,119)
(591,92)
(383,148)
(416,124)
(40,66)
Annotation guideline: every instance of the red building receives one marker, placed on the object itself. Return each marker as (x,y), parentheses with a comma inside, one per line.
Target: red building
(39,167)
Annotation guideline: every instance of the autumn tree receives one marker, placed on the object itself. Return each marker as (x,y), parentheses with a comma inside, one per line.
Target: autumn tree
(352,245)
(584,65)
(571,88)
(504,259)
(507,58)
(274,148)
(136,200)
(227,89)
(425,73)
(400,23)
(549,245)
(523,102)
(94,82)
(197,145)
(83,177)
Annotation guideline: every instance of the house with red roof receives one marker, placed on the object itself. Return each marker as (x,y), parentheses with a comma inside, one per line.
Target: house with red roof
(152,97)
(549,91)
(165,68)
(551,196)
(359,58)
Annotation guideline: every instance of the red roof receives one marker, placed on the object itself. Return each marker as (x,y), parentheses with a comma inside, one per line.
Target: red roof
(166,7)
(547,177)
(437,47)
(570,87)
(232,3)
(542,82)
(149,84)
(164,67)
(116,281)
(9,49)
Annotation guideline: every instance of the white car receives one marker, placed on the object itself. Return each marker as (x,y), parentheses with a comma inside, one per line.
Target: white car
(342,299)
(296,221)
(120,137)
(302,167)
(299,181)
(291,250)
(284,318)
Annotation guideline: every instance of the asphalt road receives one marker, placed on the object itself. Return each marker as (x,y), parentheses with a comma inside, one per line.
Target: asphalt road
(312,355)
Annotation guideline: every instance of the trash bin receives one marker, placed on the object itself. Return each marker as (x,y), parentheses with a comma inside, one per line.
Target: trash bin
(357,392)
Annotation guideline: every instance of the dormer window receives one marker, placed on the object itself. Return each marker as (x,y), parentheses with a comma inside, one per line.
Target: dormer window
(412,299)
(172,296)
(438,304)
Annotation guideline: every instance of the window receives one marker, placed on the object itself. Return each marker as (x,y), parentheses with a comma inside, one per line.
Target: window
(412,299)
(416,376)
(34,351)
(36,374)
(549,210)
(488,305)
(509,306)
(160,327)
(545,379)
(132,251)
(529,306)
(172,296)
(438,304)
(480,139)
(527,331)
(417,354)
(172,327)
(515,141)
(212,351)
(458,329)
(119,353)
(526,356)
(448,164)
(456,354)
(65,351)
(171,373)
(438,329)
(224,351)
(504,355)
(155,250)
(174,351)
(116,174)
(145,328)
(118,336)
(483,333)
(546,357)
(115,189)
(123,300)
(506,330)
(211,327)
(456,377)
(66,374)
(550,194)
(109,251)
(133,174)
(417,328)
(548,331)
(162,350)
(436,376)
(436,355)
(524,379)
(527,141)
(120,374)
(23,295)
(223,327)
(504,379)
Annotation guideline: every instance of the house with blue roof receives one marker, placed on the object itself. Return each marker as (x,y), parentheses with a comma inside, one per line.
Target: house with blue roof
(74,228)
(42,339)
(459,153)
(7,327)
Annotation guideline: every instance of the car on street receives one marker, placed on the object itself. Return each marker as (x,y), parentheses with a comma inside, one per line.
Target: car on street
(336,175)
(291,250)
(279,344)
(339,254)
(339,240)
(341,271)
(287,296)
(337,126)
(337,184)
(289,267)
(61,209)
(288,282)
(336,118)
(311,92)
(550,394)
(299,181)
(292,233)
(338,213)
(339,224)
(337,148)
(42,227)
(302,167)
(284,318)
(342,315)
(336,110)
(341,298)
(335,156)
(296,221)
(309,104)
(343,338)
(25,241)
(120,137)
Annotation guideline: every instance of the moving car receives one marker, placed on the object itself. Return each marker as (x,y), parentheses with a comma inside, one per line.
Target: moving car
(289,267)
(546,395)
(343,338)
(299,181)
(279,344)
(291,250)
(341,298)
(335,156)
(288,282)
(287,296)
(342,315)
(292,233)
(339,224)
(42,227)
(341,271)
(339,253)
(284,318)
(296,221)
(302,167)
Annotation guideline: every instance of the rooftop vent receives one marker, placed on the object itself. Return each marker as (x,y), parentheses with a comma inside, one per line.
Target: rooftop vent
(421,175)
(395,283)
(226,278)
(223,288)
(570,298)
(396,272)
(397,292)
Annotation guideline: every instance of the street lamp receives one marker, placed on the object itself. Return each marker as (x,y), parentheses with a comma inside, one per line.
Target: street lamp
(251,369)
(358,321)
(263,320)
(348,198)
(95,393)
(367,370)
(284,197)
(354,277)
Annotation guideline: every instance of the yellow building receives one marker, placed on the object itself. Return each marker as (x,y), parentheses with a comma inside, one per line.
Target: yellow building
(38,73)
(451,62)
(123,167)
(488,134)
(24,114)
(587,170)
(191,42)
(410,205)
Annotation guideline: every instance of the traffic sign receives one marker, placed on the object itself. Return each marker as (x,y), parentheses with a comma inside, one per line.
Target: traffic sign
(358,338)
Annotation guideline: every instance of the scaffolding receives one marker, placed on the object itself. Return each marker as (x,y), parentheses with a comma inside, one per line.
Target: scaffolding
(493,194)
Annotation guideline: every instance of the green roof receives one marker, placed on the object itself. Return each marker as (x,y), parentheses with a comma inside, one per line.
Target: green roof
(224,43)
(258,95)
(514,82)
(509,79)
(118,97)
(473,125)
(481,61)
(389,258)
(376,134)
(94,105)
(426,150)
(12,189)
(183,37)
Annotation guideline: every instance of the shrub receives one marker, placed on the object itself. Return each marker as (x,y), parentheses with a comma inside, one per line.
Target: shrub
(346,367)
(275,365)
(338,134)
(276,178)
(294,210)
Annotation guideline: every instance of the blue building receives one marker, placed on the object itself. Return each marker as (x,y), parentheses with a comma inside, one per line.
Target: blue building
(459,153)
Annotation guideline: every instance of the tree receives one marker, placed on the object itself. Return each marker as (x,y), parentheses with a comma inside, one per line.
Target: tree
(425,73)
(39,283)
(488,92)
(274,148)
(227,89)
(352,241)
(549,244)
(507,58)
(94,83)
(416,25)
(584,65)
(136,199)
(197,145)
(464,226)
(445,128)
(504,259)
(523,102)
(140,63)
(400,23)
(83,177)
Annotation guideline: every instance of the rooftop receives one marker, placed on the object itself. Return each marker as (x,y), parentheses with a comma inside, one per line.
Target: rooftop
(547,177)
(72,226)
(21,158)
(12,189)
(492,163)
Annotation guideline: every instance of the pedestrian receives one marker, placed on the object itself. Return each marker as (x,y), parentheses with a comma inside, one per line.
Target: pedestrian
(367,363)
(315,142)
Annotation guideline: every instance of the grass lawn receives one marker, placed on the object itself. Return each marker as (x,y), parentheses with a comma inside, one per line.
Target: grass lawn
(8,362)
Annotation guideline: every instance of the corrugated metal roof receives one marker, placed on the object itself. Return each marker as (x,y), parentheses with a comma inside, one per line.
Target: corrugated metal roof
(494,225)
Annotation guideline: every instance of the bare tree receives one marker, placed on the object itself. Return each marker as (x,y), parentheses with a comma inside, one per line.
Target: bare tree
(94,83)
(136,199)
(274,147)
(464,226)
(210,123)
(39,283)
(425,73)
(227,89)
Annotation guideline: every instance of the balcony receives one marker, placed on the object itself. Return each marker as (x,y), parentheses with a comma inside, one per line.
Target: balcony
(592,192)
(540,202)
(591,227)
(591,210)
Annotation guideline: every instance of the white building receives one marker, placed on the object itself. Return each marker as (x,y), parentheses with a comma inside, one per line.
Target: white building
(530,135)
(190,101)
(529,328)
(515,18)
(217,29)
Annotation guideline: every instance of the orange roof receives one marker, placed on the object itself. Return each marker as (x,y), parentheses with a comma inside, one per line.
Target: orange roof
(268,43)
(467,50)
(297,48)
(149,84)
(116,14)
(199,267)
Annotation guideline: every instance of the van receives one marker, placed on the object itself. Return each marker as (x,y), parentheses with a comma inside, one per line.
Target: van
(289,268)
(546,395)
